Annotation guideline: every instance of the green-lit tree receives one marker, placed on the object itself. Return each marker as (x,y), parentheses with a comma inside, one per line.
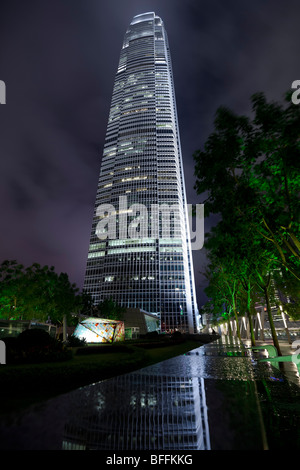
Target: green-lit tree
(11,288)
(250,168)
(248,300)
(85,304)
(211,311)
(36,292)
(247,267)
(109,309)
(288,293)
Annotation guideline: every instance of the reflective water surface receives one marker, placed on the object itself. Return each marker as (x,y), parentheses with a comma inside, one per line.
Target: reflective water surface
(161,407)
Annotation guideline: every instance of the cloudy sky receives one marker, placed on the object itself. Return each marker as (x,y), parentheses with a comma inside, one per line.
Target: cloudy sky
(58,59)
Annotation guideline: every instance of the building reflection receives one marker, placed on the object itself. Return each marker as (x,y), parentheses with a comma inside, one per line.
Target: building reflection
(140,412)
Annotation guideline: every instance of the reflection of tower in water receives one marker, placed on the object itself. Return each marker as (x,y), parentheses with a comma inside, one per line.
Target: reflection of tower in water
(140,412)
(140,251)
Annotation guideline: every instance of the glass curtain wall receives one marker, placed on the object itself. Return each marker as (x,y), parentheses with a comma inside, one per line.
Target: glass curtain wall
(147,263)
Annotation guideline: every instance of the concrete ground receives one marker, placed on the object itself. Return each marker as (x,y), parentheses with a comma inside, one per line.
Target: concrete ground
(259,409)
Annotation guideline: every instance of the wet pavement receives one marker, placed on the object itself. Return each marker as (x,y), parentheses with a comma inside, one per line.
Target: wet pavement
(216,397)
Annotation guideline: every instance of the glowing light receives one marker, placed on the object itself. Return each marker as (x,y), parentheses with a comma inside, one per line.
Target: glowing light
(100,330)
(258,316)
(283,316)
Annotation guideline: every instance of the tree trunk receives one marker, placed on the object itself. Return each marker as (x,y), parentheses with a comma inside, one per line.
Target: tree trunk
(64,328)
(251,328)
(229,328)
(237,326)
(274,334)
(249,305)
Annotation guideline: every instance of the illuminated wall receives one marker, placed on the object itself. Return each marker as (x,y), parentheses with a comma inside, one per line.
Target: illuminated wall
(99,330)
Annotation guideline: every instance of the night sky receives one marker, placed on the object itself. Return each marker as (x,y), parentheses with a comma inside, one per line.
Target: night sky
(58,59)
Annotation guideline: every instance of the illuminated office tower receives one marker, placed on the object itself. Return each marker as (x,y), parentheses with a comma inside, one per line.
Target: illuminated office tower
(142,259)
(139,411)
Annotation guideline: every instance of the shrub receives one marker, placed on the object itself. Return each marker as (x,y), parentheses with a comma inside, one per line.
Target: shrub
(151,335)
(33,338)
(75,342)
(177,335)
(34,346)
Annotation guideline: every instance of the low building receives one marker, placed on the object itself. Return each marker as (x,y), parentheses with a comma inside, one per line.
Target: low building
(136,322)
(139,322)
(100,330)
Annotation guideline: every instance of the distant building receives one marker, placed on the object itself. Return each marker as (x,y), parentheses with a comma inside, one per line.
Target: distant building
(138,322)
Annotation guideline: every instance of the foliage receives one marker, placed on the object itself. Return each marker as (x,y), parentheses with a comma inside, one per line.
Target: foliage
(75,342)
(152,335)
(177,335)
(211,311)
(85,304)
(249,169)
(33,338)
(36,292)
(110,310)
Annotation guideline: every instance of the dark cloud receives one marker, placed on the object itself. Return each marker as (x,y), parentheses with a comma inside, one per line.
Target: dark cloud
(58,60)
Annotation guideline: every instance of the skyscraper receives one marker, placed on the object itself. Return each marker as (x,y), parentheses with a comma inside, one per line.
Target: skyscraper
(140,411)
(140,251)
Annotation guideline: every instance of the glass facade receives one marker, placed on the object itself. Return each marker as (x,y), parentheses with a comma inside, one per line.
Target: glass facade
(140,252)
(140,412)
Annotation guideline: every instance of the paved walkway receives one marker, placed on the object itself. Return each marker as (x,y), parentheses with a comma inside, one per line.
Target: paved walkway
(251,404)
